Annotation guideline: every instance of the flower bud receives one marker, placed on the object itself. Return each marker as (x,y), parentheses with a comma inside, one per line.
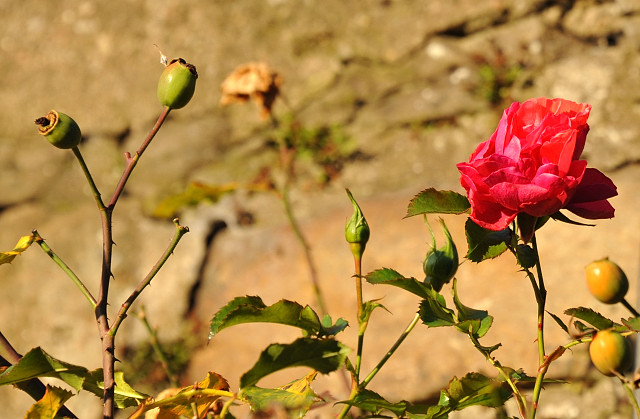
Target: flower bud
(357,230)
(441,265)
(59,129)
(177,84)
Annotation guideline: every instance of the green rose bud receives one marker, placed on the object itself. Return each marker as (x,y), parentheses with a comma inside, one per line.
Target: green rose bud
(441,265)
(177,84)
(59,129)
(357,230)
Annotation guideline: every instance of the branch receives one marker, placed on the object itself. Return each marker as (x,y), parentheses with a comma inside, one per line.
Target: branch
(122,314)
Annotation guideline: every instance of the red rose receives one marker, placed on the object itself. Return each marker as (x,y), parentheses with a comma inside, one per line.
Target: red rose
(531,164)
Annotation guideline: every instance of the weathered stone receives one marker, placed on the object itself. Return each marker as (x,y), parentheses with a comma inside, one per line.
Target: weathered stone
(402,79)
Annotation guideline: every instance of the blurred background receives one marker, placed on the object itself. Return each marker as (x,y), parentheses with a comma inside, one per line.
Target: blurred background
(383,97)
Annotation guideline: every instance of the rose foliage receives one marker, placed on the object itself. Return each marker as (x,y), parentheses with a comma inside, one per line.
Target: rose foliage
(531,164)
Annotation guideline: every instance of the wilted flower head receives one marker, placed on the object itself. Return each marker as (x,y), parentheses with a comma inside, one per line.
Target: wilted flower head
(255,81)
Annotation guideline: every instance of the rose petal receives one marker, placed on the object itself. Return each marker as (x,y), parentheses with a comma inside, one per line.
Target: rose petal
(594,210)
(595,186)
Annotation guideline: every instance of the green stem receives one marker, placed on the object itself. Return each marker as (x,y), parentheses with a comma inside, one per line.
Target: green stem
(38,239)
(630,308)
(122,314)
(226,406)
(362,326)
(520,399)
(380,364)
(87,174)
(541,297)
(313,274)
(390,352)
(287,159)
(155,344)
(632,397)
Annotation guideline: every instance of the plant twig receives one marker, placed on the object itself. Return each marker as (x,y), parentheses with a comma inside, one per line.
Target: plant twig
(287,156)
(101,314)
(630,308)
(632,397)
(155,344)
(133,161)
(378,367)
(541,297)
(83,289)
(122,314)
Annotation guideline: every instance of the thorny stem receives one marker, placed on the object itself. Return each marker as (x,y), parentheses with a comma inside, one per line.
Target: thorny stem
(541,297)
(155,344)
(132,161)
(122,314)
(38,239)
(107,334)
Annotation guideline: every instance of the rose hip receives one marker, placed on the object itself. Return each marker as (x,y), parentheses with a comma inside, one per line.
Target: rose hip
(606,281)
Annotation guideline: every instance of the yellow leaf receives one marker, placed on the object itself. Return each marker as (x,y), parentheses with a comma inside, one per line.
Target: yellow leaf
(47,407)
(22,245)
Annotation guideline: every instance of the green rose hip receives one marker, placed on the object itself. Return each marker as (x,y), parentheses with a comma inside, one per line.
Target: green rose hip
(177,84)
(59,129)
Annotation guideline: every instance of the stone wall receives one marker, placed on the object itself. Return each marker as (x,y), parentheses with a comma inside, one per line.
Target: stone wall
(414,85)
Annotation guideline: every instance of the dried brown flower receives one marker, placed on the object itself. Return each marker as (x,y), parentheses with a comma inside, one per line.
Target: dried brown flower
(255,81)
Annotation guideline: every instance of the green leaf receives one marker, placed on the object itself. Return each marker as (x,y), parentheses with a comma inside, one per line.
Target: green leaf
(633,323)
(331,329)
(562,325)
(476,389)
(432,201)
(125,396)
(472,389)
(592,317)
(296,397)
(37,363)
(485,244)
(434,313)
(476,322)
(323,355)
(487,350)
(371,401)
(390,277)
(47,407)
(252,310)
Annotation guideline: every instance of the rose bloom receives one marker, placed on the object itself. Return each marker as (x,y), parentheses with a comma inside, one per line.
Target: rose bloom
(531,164)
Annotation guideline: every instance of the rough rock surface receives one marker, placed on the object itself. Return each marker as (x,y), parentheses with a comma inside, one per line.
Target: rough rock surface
(414,85)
